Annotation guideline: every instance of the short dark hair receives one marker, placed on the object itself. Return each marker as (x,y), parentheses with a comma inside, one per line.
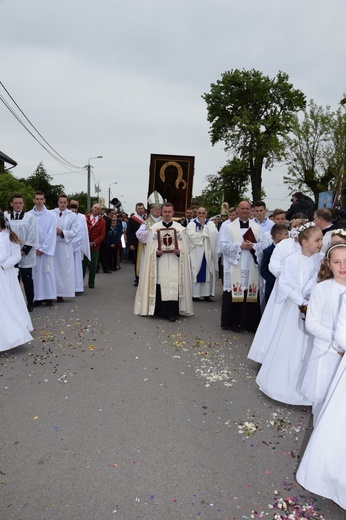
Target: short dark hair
(17,196)
(298,195)
(324,214)
(259,203)
(299,216)
(278,211)
(277,229)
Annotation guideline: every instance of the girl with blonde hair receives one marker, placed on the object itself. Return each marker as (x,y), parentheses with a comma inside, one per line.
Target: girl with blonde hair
(321,318)
(289,350)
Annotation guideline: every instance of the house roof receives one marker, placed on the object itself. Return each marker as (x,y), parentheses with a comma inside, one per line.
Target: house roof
(5,158)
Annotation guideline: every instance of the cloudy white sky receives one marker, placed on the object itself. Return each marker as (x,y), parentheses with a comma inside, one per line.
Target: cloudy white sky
(125,79)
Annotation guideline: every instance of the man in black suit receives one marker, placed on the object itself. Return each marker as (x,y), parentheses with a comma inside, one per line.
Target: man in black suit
(25,226)
(301,204)
(188,217)
(323,219)
(135,221)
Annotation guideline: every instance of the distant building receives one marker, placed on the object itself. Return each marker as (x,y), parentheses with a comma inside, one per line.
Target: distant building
(5,159)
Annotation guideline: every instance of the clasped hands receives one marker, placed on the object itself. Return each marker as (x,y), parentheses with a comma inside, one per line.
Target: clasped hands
(175,251)
(246,245)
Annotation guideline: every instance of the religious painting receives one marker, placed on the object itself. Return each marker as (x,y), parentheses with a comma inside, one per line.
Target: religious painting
(167,240)
(172,177)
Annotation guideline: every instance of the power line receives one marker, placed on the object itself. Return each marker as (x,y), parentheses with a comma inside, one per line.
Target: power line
(27,129)
(67,173)
(58,157)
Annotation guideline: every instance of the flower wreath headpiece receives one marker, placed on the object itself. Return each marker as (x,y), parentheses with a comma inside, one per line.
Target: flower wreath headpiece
(305,226)
(339,232)
(300,219)
(293,233)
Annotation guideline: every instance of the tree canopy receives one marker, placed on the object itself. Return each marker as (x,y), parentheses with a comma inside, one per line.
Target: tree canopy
(229,184)
(316,149)
(252,114)
(9,185)
(40,180)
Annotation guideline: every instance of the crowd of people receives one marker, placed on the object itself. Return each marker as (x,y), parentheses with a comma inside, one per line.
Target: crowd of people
(50,251)
(283,278)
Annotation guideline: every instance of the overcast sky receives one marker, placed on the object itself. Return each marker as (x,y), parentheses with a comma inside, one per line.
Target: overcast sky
(125,79)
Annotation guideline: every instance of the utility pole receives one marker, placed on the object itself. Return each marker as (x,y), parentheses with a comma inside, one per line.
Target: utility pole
(88,187)
(109,194)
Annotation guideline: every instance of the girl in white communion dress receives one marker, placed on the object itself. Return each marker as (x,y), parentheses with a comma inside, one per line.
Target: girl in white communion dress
(286,357)
(15,321)
(322,469)
(321,319)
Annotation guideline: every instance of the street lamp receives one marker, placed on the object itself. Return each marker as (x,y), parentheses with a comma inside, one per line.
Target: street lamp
(109,193)
(89,168)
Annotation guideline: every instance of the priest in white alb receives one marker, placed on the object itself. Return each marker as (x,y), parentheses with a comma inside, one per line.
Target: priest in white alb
(165,283)
(241,246)
(201,240)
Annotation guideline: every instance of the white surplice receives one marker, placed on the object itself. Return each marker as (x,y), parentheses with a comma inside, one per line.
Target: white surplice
(201,244)
(230,239)
(43,272)
(26,230)
(81,247)
(63,256)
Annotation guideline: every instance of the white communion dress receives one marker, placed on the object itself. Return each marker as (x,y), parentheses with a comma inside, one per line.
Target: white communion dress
(322,469)
(14,320)
(271,316)
(287,355)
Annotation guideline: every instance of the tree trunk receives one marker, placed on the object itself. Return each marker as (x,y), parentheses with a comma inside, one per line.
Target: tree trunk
(256,178)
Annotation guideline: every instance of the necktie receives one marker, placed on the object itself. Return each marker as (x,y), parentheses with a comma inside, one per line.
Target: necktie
(17,216)
(60,213)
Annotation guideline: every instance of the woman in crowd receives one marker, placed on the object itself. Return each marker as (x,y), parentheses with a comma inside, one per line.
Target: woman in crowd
(113,239)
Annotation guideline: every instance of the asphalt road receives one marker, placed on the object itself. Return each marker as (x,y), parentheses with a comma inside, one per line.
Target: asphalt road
(107,415)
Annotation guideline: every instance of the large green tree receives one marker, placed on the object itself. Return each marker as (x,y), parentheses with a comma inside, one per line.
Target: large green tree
(307,150)
(40,180)
(229,184)
(337,155)
(10,185)
(252,113)
(316,150)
